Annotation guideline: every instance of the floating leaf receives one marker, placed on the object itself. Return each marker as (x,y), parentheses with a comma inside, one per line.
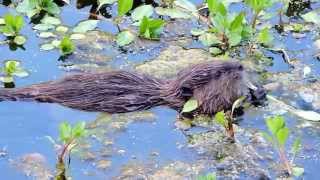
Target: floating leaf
(297,171)
(19,40)
(209,39)
(173,13)
(77,36)
(46,35)
(85,26)
(141,11)
(56,43)
(190,105)
(50,20)
(47,47)
(124,6)
(43,27)
(62,29)
(125,38)
(311,17)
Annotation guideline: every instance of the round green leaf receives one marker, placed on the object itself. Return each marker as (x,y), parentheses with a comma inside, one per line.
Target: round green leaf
(20,40)
(124,6)
(125,38)
(190,105)
(50,20)
(209,39)
(46,35)
(47,47)
(141,11)
(43,27)
(62,29)
(77,36)
(85,26)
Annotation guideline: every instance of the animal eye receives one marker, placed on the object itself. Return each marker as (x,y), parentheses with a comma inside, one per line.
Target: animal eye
(240,67)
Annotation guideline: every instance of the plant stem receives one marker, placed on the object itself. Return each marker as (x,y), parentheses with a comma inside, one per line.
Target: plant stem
(254,20)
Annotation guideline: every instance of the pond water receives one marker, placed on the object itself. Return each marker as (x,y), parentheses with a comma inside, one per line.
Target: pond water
(146,145)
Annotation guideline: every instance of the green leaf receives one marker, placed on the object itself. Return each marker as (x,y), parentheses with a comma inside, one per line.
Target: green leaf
(282,135)
(85,26)
(27,7)
(151,28)
(215,51)
(62,29)
(141,11)
(220,118)
(210,176)
(77,36)
(46,35)
(124,6)
(47,47)
(65,132)
(275,124)
(66,46)
(190,105)
(237,23)
(311,17)
(19,40)
(265,37)
(79,130)
(50,20)
(209,39)
(43,27)
(50,6)
(297,171)
(220,22)
(125,38)
(234,38)
(216,7)
(2,22)
(10,66)
(197,32)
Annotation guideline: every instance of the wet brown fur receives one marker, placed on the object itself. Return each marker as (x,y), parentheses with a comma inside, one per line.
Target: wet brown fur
(215,85)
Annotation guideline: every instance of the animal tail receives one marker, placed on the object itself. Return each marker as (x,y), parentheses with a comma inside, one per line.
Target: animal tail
(113,92)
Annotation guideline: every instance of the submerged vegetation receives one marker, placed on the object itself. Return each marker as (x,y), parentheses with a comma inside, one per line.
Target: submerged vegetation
(251,30)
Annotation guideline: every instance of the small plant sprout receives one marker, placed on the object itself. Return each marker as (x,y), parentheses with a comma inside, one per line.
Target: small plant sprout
(38,9)
(69,136)
(226,121)
(10,69)
(278,136)
(210,176)
(151,28)
(66,46)
(257,6)
(12,27)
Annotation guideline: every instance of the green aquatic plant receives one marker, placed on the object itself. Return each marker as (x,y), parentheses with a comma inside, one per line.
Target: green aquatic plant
(10,69)
(66,46)
(69,136)
(210,176)
(225,120)
(151,28)
(38,8)
(278,136)
(257,6)
(12,27)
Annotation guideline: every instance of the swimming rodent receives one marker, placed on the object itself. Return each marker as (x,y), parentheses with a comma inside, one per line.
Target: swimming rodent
(215,85)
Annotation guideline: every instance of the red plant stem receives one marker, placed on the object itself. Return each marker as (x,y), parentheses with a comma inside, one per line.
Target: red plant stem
(64,150)
(284,159)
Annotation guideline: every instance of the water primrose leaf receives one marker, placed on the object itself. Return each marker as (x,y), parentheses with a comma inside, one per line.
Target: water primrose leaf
(13,25)
(259,5)
(141,11)
(56,43)
(79,130)
(190,105)
(234,38)
(7,79)
(43,27)
(297,171)
(47,47)
(209,39)
(46,35)
(65,132)
(220,118)
(77,36)
(28,7)
(215,51)
(311,17)
(13,68)
(265,37)
(217,7)
(62,29)
(220,22)
(210,176)
(151,28)
(172,13)
(66,46)
(282,135)
(237,23)
(85,26)
(275,124)
(2,22)
(125,38)
(19,40)
(50,20)
(124,6)
(50,6)
(103,2)
(197,32)
(188,5)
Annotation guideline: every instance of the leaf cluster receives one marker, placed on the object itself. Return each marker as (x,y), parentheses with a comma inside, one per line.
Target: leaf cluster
(67,133)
